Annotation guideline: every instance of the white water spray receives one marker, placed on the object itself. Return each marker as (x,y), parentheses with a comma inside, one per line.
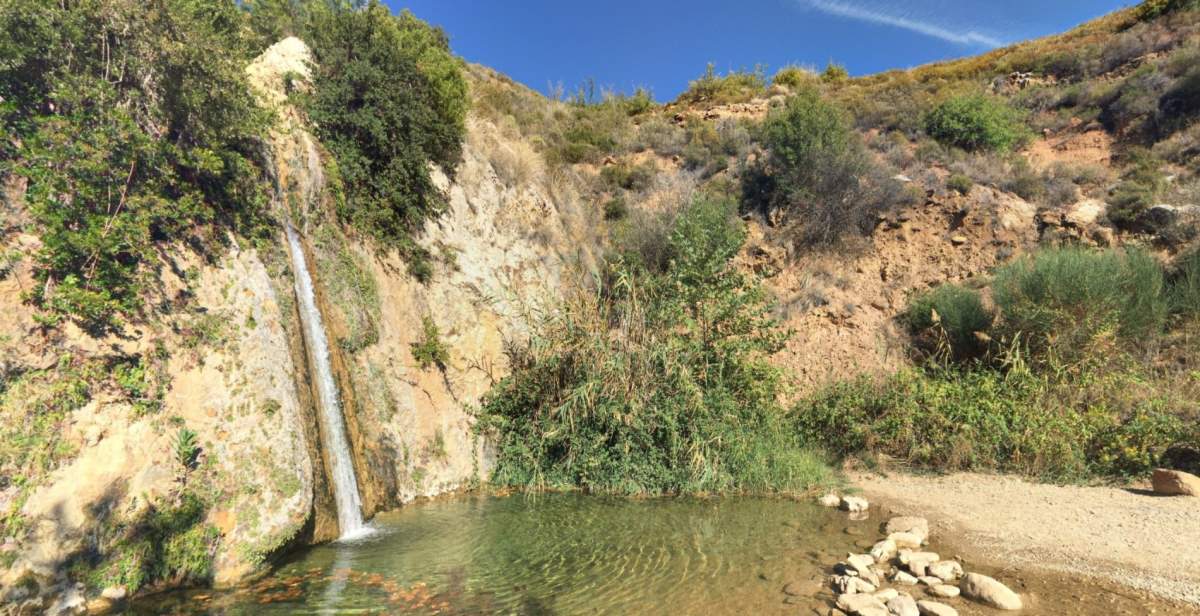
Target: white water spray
(345,484)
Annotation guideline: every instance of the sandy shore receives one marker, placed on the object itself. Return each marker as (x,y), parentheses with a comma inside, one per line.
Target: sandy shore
(1126,536)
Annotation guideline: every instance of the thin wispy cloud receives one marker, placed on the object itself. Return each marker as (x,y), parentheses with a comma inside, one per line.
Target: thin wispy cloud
(896,19)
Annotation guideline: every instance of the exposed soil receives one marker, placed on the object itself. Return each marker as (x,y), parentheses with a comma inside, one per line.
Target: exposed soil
(1125,536)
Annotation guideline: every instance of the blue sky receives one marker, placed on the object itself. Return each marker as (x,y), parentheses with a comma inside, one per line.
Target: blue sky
(661,45)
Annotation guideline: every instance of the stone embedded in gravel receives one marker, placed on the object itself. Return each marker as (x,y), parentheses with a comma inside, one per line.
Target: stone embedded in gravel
(854,504)
(1175,483)
(830,500)
(946,569)
(930,581)
(903,605)
(883,551)
(907,524)
(906,540)
(862,605)
(861,563)
(933,608)
(989,591)
(902,577)
(945,591)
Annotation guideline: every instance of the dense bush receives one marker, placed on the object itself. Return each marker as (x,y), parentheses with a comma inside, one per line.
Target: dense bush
(976,122)
(658,383)
(1140,186)
(733,87)
(1150,9)
(949,319)
(628,176)
(1098,424)
(817,171)
(388,98)
(1068,301)
(132,124)
(794,77)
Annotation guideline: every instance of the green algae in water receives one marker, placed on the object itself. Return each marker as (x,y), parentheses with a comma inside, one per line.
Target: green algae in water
(561,554)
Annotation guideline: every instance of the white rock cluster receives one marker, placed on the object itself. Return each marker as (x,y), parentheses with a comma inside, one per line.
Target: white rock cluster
(926,584)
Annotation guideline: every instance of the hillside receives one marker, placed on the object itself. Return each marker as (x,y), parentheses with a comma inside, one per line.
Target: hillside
(986,265)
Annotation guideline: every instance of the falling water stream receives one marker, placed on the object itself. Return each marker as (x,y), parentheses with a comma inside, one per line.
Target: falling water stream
(345,484)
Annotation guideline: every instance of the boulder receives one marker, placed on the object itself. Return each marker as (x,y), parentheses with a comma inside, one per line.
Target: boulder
(930,581)
(830,500)
(887,594)
(854,504)
(989,591)
(884,550)
(946,570)
(933,608)
(908,524)
(903,605)
(862,605)
(1175,483)
(114,593)
(906,540)
(945,591)
(846,585)
(861,563)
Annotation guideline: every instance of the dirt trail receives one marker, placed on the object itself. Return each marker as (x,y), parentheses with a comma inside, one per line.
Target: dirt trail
(1125,536)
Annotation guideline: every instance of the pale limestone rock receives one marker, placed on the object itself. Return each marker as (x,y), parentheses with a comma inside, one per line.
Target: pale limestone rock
(989,591)
(933,608)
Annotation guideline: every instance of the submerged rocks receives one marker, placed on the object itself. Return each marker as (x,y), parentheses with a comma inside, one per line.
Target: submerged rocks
(1175,483)
(989,591)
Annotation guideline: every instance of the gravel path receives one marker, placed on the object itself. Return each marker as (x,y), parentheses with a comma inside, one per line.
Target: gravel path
(1124,535)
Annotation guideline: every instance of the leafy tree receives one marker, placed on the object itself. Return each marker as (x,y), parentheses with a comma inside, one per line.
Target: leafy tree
(388,99)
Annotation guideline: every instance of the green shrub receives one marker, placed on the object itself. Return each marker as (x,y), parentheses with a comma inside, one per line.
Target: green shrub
(982,419)
(616,209)
(131,126)
(1067,301)
(950,316)
(793,77)
(960,183)
(430,351)
(388,98)
(834,73)
(658,383)
(1141,185)
(170,543)
(1150,9)
(976,122)
(733,87)
(629,176)
(817,170)
(1185,285)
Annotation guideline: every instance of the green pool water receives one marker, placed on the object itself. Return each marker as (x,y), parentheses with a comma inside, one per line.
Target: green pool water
(553,554)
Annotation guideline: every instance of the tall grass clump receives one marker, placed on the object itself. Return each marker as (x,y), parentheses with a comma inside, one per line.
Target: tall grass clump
(1185,285)
(732,87)
(1111,423)
(950,320)
(657,382)
(1067,301)
(976,122)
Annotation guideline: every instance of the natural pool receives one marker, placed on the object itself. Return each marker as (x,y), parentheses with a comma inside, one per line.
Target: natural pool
(557,554)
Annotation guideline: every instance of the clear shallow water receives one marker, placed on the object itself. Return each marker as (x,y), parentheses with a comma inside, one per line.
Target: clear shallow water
(552,554)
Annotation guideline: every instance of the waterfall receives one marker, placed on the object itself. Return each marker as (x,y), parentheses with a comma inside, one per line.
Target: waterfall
(345,484)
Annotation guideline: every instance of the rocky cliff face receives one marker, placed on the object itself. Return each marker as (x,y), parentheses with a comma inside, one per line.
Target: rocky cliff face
(232,368)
